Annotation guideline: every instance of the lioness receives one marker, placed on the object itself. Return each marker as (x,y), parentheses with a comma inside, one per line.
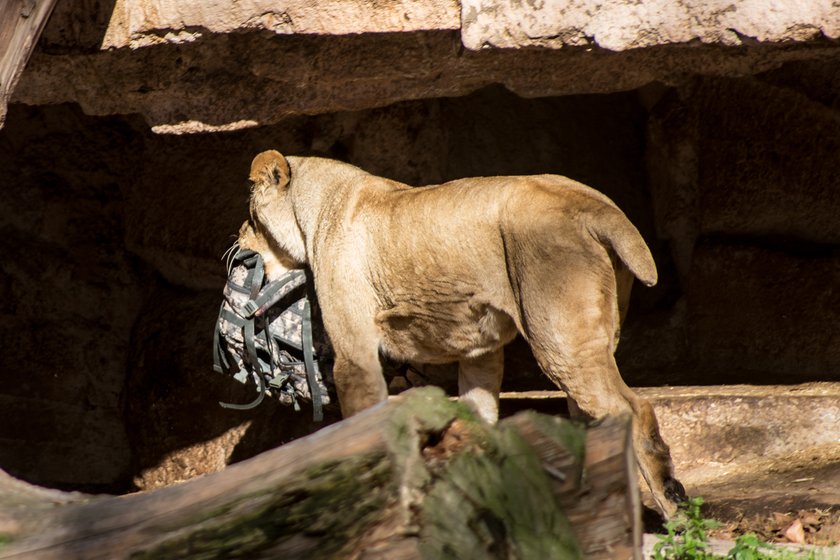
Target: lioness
(451,273)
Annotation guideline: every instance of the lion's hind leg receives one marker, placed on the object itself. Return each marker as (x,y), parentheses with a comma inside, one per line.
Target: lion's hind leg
(586,370)
(569,317)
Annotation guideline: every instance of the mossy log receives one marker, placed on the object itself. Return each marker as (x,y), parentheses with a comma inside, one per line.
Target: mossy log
(418,477)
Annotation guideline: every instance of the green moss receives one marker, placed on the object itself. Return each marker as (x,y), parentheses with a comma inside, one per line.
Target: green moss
(337,499)
(571,435)
(494,501)
(423,411)
(497,504)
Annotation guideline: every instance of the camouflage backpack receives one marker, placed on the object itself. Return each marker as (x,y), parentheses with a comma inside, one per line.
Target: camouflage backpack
(265,333)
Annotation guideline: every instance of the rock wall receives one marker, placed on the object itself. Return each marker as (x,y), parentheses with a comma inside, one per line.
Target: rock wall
(115,219)
(743,189)
(191,66)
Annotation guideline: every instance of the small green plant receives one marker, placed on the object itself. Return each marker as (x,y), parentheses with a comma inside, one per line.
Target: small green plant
(748,547)
(687,538)
(687,534)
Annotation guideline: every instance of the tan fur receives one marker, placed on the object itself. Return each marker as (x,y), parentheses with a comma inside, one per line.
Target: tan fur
(275,261)
(451,273)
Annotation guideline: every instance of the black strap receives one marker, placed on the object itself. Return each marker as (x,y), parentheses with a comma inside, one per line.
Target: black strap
(276,289)
(297,346)
(309,361)
(257,278)
(232,317)
(252,404)
(220,363)
(244,254)
(249,334)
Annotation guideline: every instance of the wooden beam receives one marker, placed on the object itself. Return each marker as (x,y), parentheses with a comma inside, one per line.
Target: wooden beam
(21,23)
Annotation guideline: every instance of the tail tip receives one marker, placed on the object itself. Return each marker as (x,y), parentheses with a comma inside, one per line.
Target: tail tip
(649,278)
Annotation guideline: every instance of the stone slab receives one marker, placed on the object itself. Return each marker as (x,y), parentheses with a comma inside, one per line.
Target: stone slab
(711,428)
(748,447)
(632,24)
(140,23)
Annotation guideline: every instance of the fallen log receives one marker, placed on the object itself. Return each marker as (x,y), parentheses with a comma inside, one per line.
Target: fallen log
(418,477)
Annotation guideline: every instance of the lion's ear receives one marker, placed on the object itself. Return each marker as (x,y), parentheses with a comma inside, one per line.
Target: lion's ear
(271,167)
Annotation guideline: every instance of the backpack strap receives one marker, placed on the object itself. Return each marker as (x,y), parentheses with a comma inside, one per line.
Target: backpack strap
(249,333)
(309,364)
(220,362)
(273,292)
(254,403)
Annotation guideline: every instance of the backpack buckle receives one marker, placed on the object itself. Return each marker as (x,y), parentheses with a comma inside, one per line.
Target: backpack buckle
(249,308)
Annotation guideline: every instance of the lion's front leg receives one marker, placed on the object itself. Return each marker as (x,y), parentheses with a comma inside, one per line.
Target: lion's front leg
(359,382)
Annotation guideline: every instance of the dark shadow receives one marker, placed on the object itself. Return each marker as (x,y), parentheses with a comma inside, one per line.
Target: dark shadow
(76,27)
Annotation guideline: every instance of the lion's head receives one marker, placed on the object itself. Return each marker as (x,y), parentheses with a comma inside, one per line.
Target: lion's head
(272,209)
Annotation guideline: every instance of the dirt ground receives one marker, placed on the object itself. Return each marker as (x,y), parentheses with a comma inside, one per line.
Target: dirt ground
(780,502)
(765,459)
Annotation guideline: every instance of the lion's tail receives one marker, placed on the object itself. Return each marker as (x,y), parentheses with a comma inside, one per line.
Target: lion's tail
(612,228)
